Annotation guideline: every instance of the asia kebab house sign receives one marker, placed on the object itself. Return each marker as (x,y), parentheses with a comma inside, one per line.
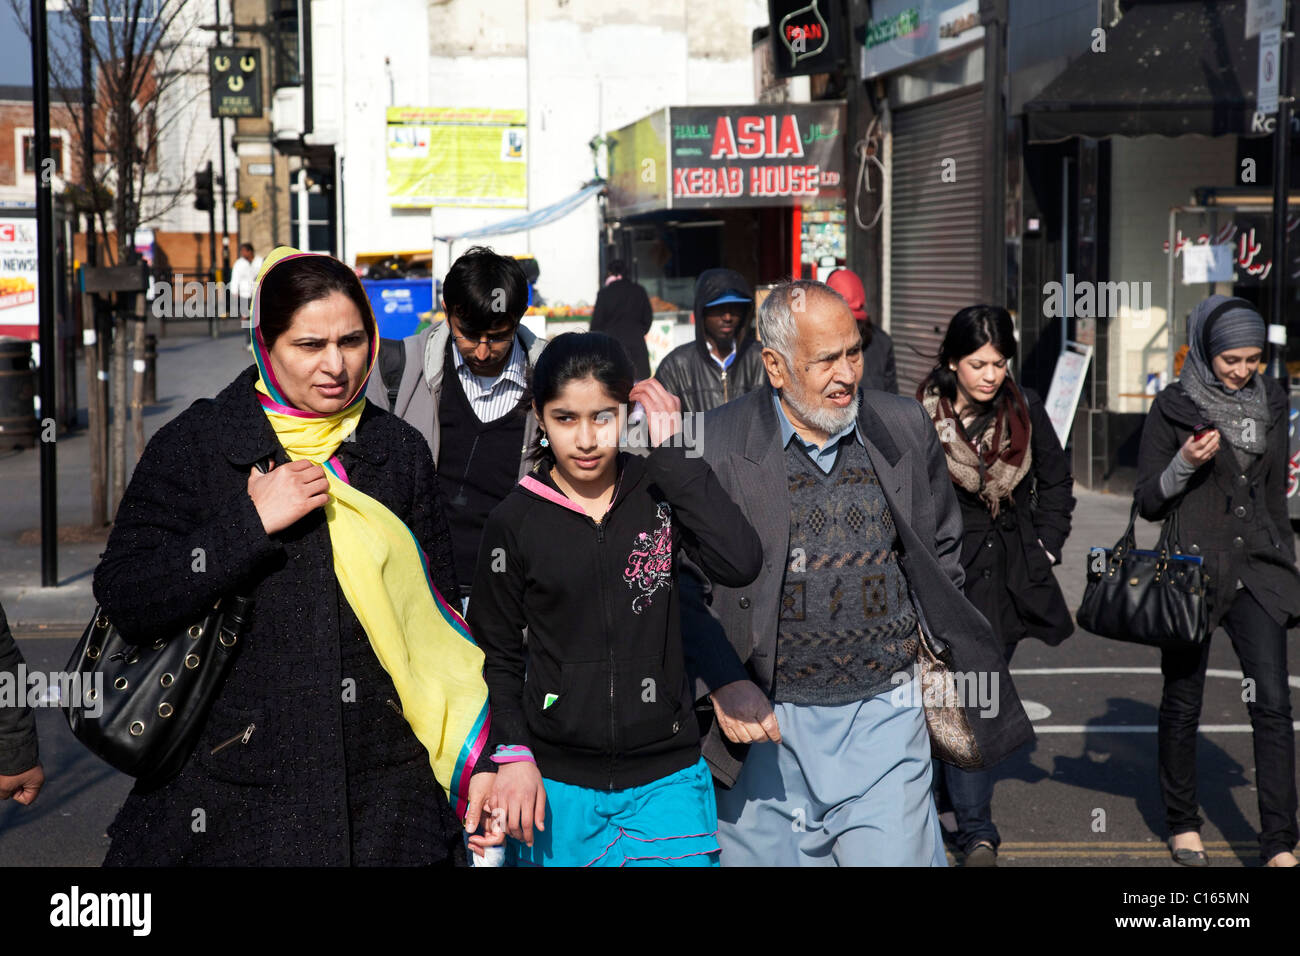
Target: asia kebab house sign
(776,155)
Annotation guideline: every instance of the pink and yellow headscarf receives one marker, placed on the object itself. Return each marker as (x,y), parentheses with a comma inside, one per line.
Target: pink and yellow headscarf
(419,638)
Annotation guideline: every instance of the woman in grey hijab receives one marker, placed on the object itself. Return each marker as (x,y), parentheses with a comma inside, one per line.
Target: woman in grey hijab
(1229,488)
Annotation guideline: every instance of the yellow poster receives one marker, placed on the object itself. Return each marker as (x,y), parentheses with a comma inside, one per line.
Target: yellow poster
(446,156)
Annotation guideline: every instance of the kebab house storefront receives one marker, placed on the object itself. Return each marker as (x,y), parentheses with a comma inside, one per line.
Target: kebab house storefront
(758,189)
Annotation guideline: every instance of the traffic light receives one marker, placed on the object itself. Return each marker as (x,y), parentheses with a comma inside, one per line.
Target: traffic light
(203,190)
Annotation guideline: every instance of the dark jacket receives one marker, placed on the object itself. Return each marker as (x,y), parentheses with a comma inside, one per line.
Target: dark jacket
(878,369)
(604,626)
(1008,574)
(730,632)
(320,780)
(1235,519)
(623,312)
(689,371)
(17,725)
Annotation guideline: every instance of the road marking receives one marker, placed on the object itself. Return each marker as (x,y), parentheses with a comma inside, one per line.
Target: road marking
(1036,711)
(1294,680)
(1143,728)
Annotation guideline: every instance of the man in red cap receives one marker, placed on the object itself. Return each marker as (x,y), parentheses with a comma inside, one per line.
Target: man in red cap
(877,347)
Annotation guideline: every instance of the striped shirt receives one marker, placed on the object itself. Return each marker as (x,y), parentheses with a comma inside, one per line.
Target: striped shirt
(490,398)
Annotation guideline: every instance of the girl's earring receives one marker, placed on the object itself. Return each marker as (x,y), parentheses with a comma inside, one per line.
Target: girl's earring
(545,442)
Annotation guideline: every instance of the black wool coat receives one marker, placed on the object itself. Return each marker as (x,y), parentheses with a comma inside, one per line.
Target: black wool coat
(1008,573)
(1235,518)
(330,773)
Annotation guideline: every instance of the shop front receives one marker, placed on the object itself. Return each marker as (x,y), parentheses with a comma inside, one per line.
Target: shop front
(928,57)
(756,188)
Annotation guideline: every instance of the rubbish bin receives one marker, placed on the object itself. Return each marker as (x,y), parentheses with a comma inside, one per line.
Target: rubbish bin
(397,304)
(18,425)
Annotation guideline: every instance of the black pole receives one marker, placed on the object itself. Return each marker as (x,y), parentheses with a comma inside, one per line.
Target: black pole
(212,253)
(45,297)
(221,142)
(1281,210)
(88,137)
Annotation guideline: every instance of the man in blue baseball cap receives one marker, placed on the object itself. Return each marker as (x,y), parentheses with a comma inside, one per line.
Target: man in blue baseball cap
(725,361)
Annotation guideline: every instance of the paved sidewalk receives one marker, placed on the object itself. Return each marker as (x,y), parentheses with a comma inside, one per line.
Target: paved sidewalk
(190,366)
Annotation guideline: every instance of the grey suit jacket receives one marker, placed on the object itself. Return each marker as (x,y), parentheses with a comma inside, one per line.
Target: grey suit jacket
(730,633)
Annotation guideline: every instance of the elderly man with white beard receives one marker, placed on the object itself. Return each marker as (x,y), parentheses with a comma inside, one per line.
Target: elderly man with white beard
(818,757)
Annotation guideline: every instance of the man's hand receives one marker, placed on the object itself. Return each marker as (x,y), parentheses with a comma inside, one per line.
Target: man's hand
(23,787)
(663,409)
(520,794)
(745,714)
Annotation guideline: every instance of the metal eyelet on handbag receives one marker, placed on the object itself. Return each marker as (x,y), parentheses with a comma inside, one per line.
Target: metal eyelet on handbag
(222,637)
(167,680)
(196,631)
(120,683)
(165,709)
(92,652)
(101,622)
(159,644)
(137,728)
(191,661)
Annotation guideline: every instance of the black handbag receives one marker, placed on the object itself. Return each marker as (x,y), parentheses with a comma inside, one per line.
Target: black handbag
(143,706)
(1146,597)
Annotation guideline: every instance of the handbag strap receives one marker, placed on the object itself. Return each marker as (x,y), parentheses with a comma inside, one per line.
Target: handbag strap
(1127,541)
(1169,536)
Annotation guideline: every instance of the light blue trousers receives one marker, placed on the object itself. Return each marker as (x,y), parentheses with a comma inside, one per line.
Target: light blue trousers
(847,786)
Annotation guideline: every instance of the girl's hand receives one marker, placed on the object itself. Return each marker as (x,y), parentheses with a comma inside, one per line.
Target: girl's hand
(285,494)
(1199,452)
(663,409)
(520,796)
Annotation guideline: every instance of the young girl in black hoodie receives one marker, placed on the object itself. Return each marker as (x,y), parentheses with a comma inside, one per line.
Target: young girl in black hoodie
(593,724)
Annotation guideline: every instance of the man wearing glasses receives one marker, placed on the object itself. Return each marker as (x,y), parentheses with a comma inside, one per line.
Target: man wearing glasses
(464,385)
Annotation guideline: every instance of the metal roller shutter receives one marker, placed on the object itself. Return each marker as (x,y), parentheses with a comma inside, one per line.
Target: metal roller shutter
(935,253)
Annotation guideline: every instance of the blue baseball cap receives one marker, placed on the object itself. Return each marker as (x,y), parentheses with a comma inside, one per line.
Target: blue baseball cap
(731,295)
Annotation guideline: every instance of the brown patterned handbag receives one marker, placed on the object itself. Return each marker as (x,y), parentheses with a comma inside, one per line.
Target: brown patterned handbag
(951,737)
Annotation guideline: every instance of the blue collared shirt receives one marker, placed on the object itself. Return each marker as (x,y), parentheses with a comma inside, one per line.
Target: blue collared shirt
(823,457)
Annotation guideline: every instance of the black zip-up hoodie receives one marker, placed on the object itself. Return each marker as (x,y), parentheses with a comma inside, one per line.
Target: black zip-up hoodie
(600,693)
(689,371)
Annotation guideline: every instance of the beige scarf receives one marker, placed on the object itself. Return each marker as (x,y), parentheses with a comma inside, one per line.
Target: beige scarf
(992,463)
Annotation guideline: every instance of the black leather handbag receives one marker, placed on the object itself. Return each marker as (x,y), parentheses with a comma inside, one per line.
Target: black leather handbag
(143,706)
(1146,597)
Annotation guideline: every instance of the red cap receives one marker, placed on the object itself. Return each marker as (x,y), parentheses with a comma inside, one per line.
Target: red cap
(850,287)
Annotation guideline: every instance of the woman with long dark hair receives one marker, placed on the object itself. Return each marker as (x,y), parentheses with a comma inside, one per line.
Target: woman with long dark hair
(1229,488)
(1014,485)
(355,712)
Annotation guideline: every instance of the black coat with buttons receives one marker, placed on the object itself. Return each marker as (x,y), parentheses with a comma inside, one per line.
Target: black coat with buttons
(1009,575)
(305,759)
(1235,518)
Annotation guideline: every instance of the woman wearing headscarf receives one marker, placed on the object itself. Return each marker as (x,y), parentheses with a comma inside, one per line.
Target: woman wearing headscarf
(355,711)
(1014,486)
(1229,488)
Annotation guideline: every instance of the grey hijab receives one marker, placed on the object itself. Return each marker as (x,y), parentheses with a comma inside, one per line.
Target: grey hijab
(1240,415)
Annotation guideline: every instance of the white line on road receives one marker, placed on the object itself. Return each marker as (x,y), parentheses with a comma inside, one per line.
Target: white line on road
(1142,728)
(1294,681)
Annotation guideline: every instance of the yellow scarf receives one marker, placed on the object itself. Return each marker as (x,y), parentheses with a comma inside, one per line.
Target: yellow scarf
(420,640)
